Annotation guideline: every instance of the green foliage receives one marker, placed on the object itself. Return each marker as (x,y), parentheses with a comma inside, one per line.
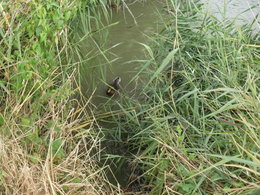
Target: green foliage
(198,129)
(57,150)
(32,45)
(33,41)
(2,120)
(196,132)
(35,88)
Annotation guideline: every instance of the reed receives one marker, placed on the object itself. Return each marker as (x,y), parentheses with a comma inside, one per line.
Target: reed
(194,131)
(197,131)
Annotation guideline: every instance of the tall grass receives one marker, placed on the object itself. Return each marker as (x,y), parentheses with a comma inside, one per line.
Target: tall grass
(45,147)
(197,132)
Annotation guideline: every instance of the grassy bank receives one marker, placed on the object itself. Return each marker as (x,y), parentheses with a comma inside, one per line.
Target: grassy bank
(197,132)
(41,152)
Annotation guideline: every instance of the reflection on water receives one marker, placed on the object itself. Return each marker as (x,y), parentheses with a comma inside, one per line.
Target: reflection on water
(245,11)
(134,27)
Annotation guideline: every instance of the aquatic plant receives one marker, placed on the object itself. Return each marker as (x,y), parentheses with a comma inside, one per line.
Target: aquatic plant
(197,132)
(195,129)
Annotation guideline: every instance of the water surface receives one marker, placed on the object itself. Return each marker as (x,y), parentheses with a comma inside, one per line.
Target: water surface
(242,11)
(130,26)
(119,53)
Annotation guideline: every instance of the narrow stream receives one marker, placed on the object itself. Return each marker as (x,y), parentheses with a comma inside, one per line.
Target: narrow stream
(130,26)
(133,25)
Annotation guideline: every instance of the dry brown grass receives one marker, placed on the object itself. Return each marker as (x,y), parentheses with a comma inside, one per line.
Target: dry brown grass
(32,168)
(23,172)
(45,149)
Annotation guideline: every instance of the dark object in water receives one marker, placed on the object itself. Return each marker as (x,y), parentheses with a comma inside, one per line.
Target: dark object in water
(114,86)
(113,5)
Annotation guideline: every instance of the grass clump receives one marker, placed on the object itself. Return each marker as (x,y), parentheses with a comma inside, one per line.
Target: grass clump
(198,130)
(40,151)
(195,132)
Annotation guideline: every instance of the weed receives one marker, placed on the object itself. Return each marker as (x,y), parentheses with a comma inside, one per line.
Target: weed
(199,135)
(39,151)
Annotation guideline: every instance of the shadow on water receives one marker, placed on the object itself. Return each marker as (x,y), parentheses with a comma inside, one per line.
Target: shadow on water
(113,50)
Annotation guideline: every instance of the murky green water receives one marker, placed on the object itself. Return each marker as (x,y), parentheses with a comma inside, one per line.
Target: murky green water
(116,51)
(134,26)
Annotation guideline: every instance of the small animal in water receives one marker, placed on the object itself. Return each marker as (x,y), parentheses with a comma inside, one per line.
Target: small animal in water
(114,86)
